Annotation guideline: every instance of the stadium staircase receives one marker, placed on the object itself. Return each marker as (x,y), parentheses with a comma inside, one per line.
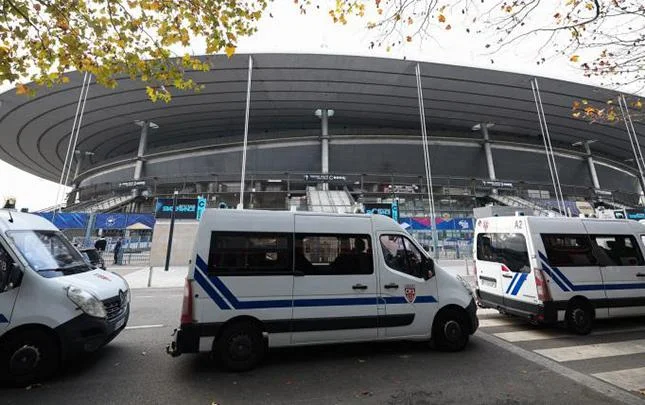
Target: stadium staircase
(338,201)
(528,206)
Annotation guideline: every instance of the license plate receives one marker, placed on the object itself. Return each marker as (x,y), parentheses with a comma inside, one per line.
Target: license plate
(488,283)
(119,324)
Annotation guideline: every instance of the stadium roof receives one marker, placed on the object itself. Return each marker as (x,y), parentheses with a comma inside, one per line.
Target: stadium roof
(286,89)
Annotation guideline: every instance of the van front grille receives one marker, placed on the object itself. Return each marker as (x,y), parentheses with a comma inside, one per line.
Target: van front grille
(114,307)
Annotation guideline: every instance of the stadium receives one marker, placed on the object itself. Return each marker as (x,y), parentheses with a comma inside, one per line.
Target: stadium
(327,133)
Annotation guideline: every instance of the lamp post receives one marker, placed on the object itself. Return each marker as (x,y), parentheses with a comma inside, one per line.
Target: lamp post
(172,228)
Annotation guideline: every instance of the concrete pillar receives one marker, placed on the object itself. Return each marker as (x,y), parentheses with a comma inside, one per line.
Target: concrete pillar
(488,151)
(592,167)
(143,141)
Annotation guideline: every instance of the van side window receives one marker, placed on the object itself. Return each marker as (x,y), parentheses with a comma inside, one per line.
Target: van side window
(509,249)
(401,255)
(569,250)
(333,254)
(249,253)
(618,250)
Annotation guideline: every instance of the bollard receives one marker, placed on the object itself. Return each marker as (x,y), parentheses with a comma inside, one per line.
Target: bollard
(467,270)
(150,277)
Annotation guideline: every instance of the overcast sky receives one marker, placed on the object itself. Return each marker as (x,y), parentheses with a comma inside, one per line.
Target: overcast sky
(290,32)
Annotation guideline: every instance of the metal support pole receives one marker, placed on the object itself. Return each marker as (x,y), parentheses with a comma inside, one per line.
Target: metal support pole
(426,161)
(171,230)
(548,148)
(246,133)
(633,139)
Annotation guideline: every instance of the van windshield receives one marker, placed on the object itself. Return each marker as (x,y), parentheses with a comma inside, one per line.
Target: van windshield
(49,253)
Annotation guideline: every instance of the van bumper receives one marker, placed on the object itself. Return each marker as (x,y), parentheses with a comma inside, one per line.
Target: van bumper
(87,334)
(186,340)
(546,312)
(471,309)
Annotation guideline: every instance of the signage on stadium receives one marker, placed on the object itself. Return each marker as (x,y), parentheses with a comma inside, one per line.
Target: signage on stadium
(499,184)
(326,177)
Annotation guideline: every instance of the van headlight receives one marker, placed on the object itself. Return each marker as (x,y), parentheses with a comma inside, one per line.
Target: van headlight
(466,285)
(87,302)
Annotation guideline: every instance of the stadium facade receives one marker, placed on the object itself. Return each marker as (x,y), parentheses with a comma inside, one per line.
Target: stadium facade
(325,132)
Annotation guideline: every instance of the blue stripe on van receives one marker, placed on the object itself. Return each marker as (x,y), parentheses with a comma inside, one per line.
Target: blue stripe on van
(551,274)
(520,282)
(203,282)
(219,285)
(586,287)
(3,319)
(510,285)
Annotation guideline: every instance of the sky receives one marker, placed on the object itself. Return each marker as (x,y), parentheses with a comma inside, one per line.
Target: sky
(289,31)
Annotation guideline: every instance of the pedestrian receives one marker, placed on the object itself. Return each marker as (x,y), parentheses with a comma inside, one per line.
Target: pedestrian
(117,251)
(100,244)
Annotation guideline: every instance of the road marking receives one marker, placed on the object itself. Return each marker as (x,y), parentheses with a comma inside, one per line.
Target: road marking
(594,351)
(632,379)
(532,335)
(143,327)
(491,323)
(590,382)
(487,311)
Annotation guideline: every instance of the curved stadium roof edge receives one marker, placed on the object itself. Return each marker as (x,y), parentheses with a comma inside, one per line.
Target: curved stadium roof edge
(369,96)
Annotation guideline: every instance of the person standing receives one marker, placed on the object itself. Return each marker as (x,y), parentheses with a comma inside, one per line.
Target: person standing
(100,244)
(117,251)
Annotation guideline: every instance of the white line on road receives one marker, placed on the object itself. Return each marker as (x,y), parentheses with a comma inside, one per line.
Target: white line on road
(594,351)
(531,335)
(586,380)
(144,327)
(632,379)
(491,323)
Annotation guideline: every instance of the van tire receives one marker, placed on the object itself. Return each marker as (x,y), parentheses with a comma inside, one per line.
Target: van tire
(240,346)
(579,317)
(28,356)
(450,330)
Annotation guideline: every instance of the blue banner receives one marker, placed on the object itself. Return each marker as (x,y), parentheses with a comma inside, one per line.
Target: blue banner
(66,220)
(72,220)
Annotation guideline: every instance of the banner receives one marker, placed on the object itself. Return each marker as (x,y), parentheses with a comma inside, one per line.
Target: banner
(441,224)
(66,220)
(381,209)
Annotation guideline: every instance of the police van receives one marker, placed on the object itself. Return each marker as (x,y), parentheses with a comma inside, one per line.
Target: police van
(551,270)
(53,304)
(263,279)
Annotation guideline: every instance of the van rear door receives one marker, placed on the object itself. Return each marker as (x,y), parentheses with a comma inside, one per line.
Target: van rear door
(334,287)
(489,274)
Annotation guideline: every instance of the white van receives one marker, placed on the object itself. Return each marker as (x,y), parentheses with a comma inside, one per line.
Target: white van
(282,278)
(561,269)
(53,305)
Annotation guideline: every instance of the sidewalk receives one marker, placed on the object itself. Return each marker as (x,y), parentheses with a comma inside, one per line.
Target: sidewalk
(145,277)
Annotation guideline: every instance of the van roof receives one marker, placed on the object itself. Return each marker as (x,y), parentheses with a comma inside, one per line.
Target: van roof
(379,221)
(538,219)
(23,221)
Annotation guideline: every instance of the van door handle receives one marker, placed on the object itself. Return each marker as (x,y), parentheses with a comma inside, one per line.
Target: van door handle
(507,276)
(391,285)
(640,274)
(359,287)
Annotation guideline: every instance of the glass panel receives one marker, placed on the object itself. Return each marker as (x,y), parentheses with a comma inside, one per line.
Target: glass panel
(569,250)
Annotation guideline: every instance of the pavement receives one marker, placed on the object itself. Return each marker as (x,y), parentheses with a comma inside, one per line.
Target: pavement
(494,369)
(157,277)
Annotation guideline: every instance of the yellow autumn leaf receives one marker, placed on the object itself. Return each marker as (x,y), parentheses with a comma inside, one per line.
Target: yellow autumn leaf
(21,89)
(442,18)
(589,6)
(230,50)
(574,58)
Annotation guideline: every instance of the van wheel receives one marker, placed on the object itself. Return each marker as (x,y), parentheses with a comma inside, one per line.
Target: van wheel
(579,317)
(450,332)
(28,356)
(240,347)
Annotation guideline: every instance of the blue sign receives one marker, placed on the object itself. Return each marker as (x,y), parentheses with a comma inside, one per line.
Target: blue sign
(395,210)
(185,208)
(381,209)
(201,207)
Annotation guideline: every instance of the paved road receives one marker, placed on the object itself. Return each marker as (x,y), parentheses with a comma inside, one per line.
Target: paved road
(135,370)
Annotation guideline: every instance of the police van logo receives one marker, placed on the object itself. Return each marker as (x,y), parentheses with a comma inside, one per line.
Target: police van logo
(410,293)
